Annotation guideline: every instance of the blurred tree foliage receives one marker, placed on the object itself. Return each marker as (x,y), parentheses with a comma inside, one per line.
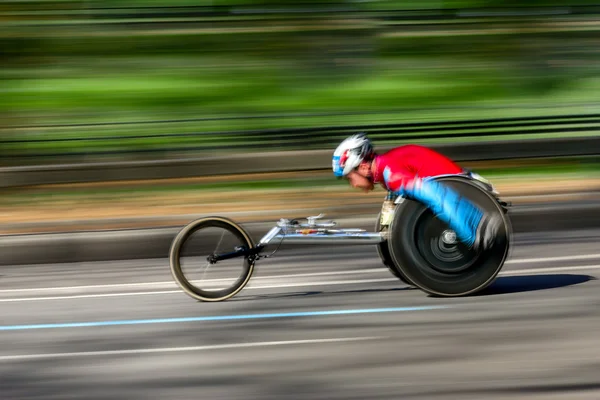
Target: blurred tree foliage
(543,57)
(329,41)
(154,58)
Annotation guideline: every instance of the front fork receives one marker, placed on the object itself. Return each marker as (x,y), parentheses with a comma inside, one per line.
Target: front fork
(252,254)
(387,210)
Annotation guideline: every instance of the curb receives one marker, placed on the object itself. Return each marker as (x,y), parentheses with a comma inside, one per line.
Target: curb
(125,244)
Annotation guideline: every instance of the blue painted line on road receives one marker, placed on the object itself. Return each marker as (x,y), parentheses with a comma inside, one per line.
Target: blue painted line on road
(216,318)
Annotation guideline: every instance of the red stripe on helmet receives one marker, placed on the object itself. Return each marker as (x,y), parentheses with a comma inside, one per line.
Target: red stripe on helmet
(344,158)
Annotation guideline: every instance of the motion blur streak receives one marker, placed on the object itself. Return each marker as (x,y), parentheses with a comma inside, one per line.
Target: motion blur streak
(185,349)
(123,120)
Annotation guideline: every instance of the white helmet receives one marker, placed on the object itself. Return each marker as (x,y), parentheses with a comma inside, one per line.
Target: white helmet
(350,153)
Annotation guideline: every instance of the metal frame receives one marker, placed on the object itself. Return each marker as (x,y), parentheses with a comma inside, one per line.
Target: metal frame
(293,232)
(317,233)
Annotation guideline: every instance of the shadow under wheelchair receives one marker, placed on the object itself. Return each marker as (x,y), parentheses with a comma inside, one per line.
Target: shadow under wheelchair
(502,285)
(307,293)
(531,283)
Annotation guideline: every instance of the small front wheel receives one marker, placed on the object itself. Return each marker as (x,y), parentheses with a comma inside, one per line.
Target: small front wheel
(209,259)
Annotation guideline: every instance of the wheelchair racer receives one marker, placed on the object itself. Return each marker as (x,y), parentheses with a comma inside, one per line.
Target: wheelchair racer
(404,171)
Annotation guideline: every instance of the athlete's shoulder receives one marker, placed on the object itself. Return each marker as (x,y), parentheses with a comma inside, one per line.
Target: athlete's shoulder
(409,147)
(406,150)
(398,149)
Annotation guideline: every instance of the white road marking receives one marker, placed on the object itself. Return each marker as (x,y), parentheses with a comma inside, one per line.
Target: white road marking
(21,357)
(551,259)
(533,271)
(251,286)
(167,284)
(86,296)
(163,284)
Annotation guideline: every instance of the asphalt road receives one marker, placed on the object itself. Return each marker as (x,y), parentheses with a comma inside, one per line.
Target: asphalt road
(329,323)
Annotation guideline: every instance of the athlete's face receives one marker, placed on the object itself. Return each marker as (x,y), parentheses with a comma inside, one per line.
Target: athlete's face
(360,177)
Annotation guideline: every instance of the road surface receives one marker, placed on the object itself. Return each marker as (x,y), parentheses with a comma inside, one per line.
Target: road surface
(330,323)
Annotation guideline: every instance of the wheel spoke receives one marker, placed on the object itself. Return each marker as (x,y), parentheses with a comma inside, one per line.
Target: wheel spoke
(208,264)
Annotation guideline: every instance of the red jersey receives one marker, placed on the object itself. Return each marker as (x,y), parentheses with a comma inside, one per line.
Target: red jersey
(399,166)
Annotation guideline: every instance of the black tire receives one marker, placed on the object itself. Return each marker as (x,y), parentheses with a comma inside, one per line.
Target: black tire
(185,234)
(386,258)
(435,267)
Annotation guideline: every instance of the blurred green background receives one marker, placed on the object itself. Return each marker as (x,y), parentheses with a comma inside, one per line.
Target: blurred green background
(224,63)
(69,62)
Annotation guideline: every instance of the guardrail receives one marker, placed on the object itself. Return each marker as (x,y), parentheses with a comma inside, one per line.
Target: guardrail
(307,138)
(129,14)
(280,161)
(537,119)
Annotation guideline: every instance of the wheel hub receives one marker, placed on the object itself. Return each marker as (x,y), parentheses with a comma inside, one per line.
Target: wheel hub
(449,236)
(440,246)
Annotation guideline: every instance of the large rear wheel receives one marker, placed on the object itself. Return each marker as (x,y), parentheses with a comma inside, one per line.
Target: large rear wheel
(428,253)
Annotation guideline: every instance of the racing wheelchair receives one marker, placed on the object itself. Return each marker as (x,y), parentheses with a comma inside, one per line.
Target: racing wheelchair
(418,248)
